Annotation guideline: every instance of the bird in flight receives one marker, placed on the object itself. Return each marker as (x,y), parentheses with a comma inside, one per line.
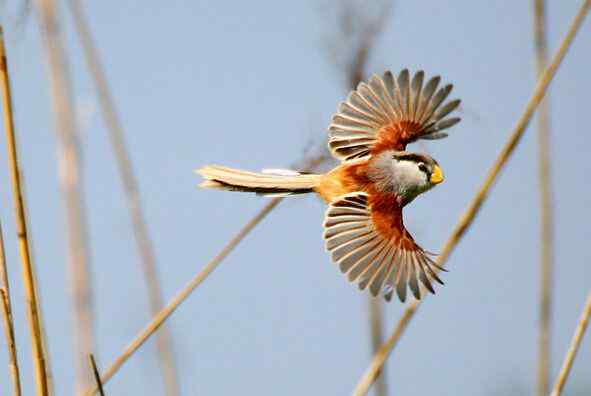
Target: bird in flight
(366,193)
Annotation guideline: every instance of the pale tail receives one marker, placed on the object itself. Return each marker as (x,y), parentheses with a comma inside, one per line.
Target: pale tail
(273,182)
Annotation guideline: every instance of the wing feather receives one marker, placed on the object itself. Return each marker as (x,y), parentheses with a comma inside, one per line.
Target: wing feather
(380,261)
(390,112)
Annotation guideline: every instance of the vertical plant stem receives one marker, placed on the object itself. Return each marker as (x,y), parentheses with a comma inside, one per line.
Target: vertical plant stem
(8,322)
(475,205)
(10,342)
(70,171)
(573,348)
(143,241)
(546,212)
(33,309)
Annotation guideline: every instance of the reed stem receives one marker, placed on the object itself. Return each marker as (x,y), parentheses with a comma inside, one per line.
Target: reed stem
(32,301)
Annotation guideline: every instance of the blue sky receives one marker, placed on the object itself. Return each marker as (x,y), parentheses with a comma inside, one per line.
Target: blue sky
(250,85)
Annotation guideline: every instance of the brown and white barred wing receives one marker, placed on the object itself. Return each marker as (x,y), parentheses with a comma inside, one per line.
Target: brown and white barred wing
(407,109)
(370,259)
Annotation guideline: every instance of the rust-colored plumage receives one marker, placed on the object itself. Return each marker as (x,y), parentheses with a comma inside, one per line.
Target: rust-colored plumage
(366,193)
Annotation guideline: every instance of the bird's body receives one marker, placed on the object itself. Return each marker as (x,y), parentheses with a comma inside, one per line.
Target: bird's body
(366,193)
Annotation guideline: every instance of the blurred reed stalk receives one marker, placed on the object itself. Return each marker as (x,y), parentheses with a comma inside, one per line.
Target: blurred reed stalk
(474,207)
(8,322)
(573,349)
(95,373)
(143,241)
(546,211)
(38,347)
(377,338)
(70,174)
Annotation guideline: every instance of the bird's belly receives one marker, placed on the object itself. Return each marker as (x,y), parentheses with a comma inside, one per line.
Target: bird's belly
(342,180)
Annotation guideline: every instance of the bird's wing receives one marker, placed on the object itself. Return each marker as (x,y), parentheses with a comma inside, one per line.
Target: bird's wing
(389,113)
(374,249)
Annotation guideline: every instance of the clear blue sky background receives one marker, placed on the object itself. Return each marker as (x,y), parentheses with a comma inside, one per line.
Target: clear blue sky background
(249,85)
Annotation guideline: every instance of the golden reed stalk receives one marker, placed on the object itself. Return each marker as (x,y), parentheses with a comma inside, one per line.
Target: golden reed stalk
(573,348)
(7,319)
(470,214)
(33,310)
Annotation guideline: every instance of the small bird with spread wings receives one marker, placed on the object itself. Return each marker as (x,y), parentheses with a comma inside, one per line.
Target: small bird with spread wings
(363,226)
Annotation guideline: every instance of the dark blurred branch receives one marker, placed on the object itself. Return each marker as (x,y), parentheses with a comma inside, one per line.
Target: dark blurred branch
(546,212)
(143,241)
(466,220)
(70,171)
(96,375)
(368,33)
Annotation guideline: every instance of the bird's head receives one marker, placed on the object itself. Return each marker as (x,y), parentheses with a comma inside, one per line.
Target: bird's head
(405,174)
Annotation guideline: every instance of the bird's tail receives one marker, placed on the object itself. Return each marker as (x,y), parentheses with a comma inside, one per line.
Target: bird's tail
(278,182)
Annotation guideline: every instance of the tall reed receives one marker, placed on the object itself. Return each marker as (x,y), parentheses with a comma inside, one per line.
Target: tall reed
(33,308)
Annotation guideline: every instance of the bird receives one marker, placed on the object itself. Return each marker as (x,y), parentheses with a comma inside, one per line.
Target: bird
(377,177)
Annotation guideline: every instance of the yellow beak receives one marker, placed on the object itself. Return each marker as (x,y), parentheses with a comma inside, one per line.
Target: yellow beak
(437,175)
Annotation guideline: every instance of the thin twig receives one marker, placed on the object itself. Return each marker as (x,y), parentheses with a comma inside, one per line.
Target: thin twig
(143,241)
(8,322)
(70,173)
(546,213)
(35,326)
(470,214)
(573,348)
(95,373)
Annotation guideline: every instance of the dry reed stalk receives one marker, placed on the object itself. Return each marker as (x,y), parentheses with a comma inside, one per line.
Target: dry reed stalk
(546,212)
(143,241)
(8,322)
(33,309)
(10,342)
(70,174)
(474,207)
(573,348)
(95,373)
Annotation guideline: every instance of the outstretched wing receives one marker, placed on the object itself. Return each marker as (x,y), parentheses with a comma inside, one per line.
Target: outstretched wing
(389,113)
(374,249)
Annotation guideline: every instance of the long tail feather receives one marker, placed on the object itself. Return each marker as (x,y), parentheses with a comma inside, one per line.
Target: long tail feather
(271,182)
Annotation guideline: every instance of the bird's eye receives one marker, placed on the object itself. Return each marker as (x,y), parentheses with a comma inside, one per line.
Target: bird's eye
(423,167)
